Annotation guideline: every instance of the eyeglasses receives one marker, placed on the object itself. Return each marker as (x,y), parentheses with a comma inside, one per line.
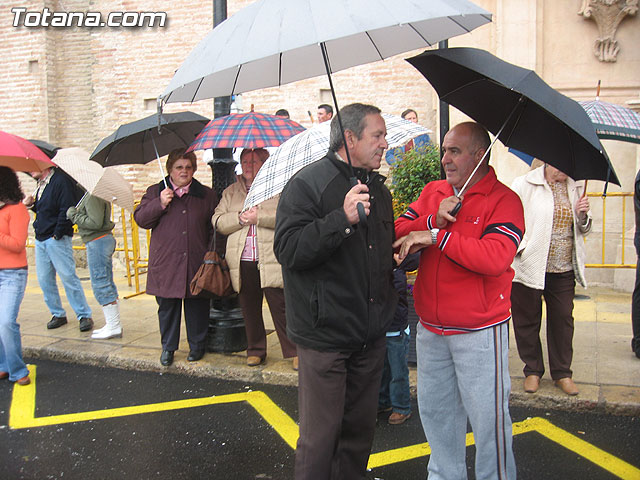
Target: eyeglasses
(182,167)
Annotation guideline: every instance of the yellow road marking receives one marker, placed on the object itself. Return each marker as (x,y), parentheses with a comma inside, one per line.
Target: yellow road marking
(23,407)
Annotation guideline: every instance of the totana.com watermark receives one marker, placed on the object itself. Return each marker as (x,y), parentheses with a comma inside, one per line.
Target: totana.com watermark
(47,18)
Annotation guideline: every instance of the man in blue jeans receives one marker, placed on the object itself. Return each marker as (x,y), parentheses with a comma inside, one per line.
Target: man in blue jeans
(55,193)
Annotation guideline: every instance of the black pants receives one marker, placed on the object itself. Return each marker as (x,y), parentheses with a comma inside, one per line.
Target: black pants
(338,402)
(196,317)
(526,309)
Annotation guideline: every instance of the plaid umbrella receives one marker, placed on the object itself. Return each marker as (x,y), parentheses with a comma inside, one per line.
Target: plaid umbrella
(613,121)
(246,130)
(310,146)
(21,155)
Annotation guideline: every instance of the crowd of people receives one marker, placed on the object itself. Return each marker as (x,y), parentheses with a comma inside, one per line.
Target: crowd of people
(336,285)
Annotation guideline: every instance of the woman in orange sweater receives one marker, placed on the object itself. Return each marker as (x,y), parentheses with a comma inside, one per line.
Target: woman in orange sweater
(14,224)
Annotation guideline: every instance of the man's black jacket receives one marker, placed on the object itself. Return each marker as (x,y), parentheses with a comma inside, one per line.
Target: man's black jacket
(338,279)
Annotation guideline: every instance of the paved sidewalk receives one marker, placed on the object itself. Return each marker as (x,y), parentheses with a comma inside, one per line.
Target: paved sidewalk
(605,370)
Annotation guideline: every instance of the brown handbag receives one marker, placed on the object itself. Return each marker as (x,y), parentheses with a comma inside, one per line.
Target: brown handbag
(212,278)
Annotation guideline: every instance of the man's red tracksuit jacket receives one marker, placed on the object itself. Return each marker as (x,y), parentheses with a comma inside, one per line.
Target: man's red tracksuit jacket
(464,281)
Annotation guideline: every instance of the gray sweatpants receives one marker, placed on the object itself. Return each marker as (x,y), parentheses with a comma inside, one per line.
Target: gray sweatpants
(460,376)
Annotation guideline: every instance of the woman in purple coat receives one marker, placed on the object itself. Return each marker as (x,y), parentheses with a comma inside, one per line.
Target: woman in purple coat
(179,216)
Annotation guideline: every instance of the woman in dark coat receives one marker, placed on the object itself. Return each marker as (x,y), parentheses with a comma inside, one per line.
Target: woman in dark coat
(179,217)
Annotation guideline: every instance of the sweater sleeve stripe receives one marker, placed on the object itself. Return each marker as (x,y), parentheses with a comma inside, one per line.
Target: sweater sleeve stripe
(410,214)
(445,240)
(430,222)
(508,229)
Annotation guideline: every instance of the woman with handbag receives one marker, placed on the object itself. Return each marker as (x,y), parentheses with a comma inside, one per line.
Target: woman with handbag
(254,269)
(178,213)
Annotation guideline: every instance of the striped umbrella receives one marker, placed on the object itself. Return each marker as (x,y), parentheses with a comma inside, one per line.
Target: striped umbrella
(310,146)
(613,121)
(246,130)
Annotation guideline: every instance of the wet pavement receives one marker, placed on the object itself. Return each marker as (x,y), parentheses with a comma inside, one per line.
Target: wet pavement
(605,370)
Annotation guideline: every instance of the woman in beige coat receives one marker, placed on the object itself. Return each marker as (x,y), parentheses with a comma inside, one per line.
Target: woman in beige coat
(549,261)
(252,263)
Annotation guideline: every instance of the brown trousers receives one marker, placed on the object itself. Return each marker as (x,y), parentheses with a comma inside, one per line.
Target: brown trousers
(338,402)
(250,297)
(526,310)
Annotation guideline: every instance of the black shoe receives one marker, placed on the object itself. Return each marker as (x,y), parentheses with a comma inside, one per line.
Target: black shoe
(56,322)
(86,324)
(166,358)
(195,355)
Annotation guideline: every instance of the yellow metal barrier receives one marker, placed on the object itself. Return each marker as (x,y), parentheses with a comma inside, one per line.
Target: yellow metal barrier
(136,252)
(603,219)
(139,258)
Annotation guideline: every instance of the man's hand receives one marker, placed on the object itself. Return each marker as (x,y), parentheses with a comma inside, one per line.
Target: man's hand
(166,196)
(249,217)
(443,216)
(357,194)
(412,243)
(582,207)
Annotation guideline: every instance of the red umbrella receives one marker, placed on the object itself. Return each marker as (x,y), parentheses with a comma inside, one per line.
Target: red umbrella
(22,155)
(246,130)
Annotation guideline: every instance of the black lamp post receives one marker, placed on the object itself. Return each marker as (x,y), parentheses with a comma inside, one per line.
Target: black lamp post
(226,324)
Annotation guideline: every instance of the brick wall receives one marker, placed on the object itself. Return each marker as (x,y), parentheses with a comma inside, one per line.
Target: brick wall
(74,86)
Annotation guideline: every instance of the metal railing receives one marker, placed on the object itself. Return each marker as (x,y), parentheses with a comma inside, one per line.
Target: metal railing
(602,220)
(136,252)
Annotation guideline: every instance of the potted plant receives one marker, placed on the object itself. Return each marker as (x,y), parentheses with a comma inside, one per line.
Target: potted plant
(410,172)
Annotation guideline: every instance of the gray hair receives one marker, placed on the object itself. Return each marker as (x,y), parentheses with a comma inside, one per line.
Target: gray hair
(353,118)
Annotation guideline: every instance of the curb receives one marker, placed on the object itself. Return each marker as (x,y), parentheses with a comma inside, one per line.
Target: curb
(612,399)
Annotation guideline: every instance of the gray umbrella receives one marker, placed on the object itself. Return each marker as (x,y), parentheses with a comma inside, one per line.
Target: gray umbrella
(140,142)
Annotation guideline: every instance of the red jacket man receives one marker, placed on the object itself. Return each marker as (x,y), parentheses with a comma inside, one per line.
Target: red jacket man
(462,296)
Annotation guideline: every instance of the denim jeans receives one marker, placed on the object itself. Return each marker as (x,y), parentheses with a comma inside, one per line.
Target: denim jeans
(99,254)
(56,256)
(12,285)
(394,389)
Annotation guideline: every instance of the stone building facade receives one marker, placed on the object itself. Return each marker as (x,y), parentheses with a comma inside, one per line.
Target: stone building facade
(74,86)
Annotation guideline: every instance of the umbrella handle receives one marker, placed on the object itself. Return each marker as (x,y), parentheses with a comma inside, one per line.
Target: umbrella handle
(83,197)
(359,206)
(164,179)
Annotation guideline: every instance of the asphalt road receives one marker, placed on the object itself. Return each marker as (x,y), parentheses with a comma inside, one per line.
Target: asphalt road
(84,422)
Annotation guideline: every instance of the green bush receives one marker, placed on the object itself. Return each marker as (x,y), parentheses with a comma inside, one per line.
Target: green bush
(411,172)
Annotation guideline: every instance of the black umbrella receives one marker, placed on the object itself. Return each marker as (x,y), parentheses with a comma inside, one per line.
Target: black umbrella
(139,142)
(520,108)
(48,149)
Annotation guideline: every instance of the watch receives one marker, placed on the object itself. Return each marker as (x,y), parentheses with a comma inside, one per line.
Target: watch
(434,235)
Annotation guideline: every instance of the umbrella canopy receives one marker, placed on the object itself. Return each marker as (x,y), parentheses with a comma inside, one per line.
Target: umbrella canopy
(310,146)
(246,130)
(275,42)
(139,142)
(22,155)
(530,115)
(613,121)
(46,147)
(105,183)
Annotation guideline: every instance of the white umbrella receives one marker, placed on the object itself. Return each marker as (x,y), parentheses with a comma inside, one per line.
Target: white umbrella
(274,42)
(310,146)
(105,183)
